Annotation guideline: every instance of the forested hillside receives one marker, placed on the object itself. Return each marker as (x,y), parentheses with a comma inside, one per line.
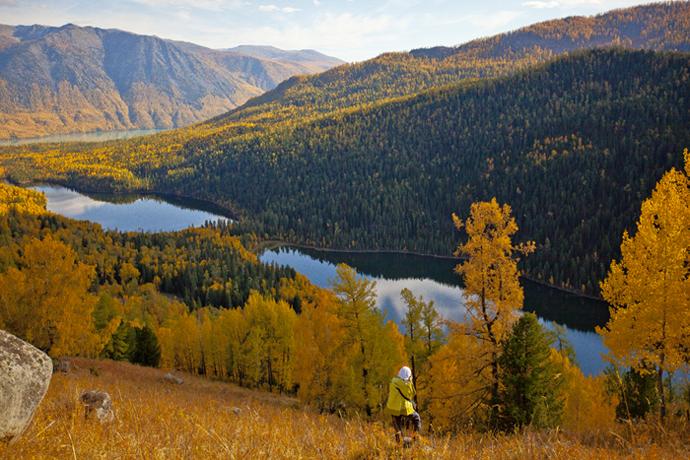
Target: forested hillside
(573,145)
(659,27)
(76,79)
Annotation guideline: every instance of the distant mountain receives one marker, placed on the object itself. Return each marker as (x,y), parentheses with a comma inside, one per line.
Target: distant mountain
(71,79)
(308,58)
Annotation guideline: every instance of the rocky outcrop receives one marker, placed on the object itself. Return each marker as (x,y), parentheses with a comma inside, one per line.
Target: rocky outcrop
(25,373)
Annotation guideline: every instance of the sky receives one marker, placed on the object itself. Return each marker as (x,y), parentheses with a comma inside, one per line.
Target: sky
(352,30)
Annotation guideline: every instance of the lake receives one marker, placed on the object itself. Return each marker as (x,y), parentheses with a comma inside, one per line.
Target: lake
(130,212)
(430,277)
(434,279)
(97,136)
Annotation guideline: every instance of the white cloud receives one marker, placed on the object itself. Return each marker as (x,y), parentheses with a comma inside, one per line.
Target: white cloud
(211,5)
(345,35)
(544,4)
(541,5)
(492,22)
(278,9)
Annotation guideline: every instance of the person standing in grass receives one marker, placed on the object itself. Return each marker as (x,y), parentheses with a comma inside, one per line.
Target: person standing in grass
(400,403)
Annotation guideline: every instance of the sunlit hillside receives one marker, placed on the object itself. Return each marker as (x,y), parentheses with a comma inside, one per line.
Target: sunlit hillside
(198,419)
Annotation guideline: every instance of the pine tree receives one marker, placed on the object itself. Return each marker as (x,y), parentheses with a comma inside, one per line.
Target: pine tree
(147,352)
(636,391)
(531,390)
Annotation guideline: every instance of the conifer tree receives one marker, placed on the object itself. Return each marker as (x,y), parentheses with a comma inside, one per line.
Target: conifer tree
(636,392)
(376,348)
(147,352)
(47,302)
(358,310)
(422,333)
(121,344)
(531,385)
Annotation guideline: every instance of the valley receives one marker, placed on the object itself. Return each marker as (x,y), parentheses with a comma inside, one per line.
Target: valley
(241,251)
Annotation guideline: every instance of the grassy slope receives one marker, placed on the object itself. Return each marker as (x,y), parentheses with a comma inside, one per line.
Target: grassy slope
(195,420)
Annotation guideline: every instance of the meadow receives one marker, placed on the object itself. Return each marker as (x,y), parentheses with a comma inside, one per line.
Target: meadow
(197,419)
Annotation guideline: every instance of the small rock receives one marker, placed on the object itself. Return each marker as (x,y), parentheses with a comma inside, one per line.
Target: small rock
(25,373)
(98,403)
(63,365)
(173,379)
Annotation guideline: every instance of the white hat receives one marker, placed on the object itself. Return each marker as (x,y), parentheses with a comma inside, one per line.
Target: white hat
(405,373)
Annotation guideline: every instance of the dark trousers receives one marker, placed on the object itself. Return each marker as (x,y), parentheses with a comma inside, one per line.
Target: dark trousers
(401,422)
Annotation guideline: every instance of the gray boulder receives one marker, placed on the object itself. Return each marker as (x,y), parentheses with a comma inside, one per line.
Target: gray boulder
(25,373)
(99,404)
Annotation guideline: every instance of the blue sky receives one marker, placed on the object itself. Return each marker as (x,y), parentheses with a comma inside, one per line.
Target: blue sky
(352,30)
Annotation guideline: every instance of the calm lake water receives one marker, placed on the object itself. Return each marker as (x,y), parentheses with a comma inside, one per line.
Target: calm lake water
(130,212)
(98,136)
(430,277)
(433,278)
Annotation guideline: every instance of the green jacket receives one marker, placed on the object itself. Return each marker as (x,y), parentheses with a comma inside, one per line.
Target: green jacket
(400,397)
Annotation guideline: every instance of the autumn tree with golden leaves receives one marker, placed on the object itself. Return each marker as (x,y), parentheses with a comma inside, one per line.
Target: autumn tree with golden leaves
(46,300)
(375,348)
(493,293)
(648,289)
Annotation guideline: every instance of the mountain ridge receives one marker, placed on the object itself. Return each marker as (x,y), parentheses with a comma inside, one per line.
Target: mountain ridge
(76,79)
(657,26)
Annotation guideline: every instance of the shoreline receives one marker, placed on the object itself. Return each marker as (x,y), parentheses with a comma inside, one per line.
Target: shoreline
(269,244)
(211,206)
(274,244)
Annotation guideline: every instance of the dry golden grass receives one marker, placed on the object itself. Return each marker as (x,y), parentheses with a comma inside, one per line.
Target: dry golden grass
(155,419)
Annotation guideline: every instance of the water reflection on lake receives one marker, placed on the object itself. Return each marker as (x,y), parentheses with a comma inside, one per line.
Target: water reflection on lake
(129,212)
(433,278)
